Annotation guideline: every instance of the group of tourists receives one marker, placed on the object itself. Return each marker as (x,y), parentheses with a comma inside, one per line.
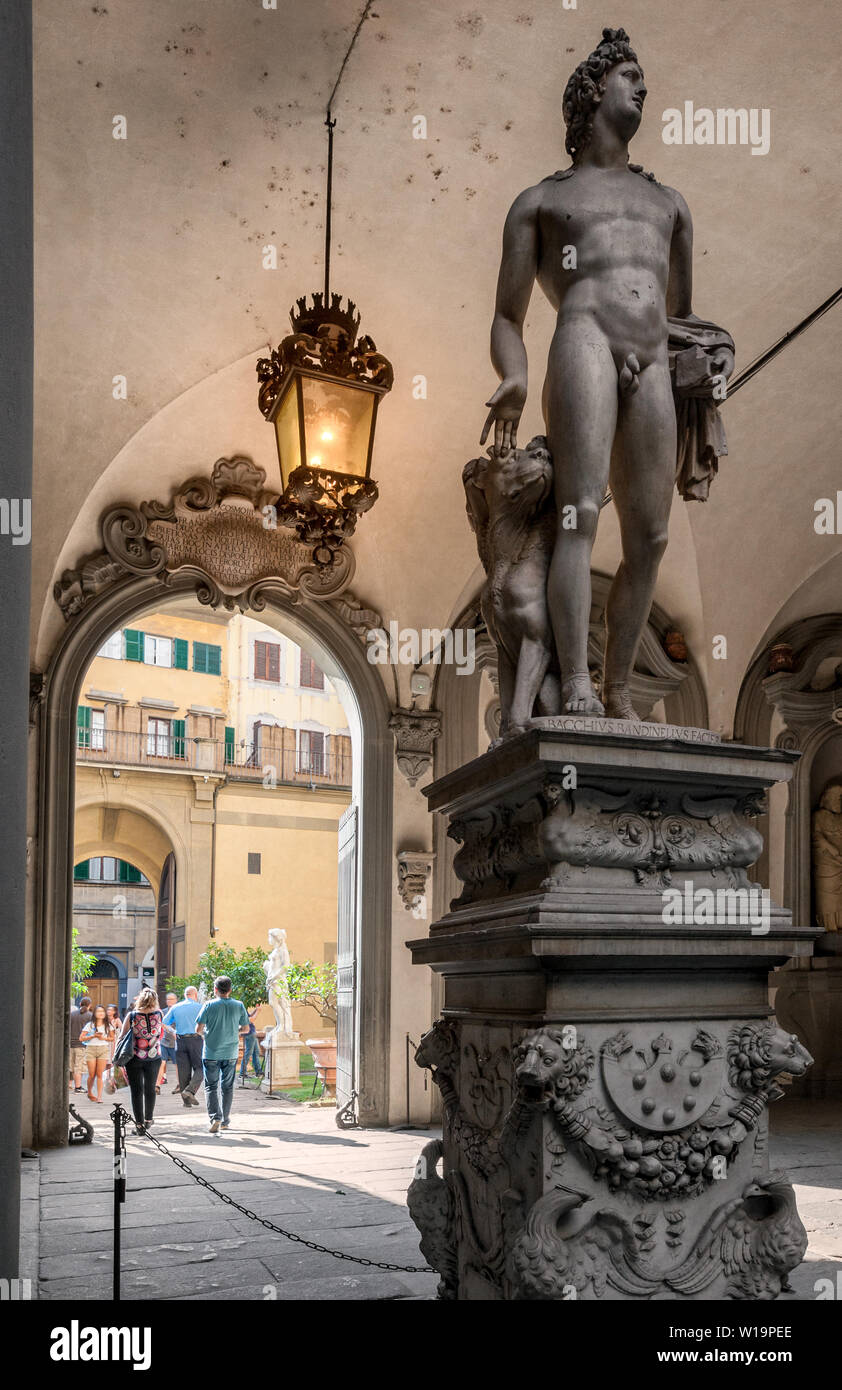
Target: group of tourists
(203,1039)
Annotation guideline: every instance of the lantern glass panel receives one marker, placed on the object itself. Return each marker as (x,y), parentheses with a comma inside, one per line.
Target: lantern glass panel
(337,426)
(288,433)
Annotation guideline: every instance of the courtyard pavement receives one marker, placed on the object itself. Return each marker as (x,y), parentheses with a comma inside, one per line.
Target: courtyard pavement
(284,1160)
(290,1163)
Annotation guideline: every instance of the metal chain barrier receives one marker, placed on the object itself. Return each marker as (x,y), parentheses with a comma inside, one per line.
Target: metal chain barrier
(279,1230)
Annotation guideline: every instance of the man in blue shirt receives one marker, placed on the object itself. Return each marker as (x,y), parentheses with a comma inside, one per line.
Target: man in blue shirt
(220,1022)
(188,1052)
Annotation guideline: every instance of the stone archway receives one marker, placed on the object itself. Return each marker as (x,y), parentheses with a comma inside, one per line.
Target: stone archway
(794,681)
(107,982)
(209,541)
(127,828)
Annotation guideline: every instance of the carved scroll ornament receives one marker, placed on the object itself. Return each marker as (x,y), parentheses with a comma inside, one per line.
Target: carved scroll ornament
(220,529)
(651,834)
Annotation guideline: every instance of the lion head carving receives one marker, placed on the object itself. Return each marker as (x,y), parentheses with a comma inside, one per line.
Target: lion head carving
(551,1064)
(439,1048)
(757,1053)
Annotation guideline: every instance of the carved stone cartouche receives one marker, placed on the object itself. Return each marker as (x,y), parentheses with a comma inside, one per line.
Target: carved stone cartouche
(215,528)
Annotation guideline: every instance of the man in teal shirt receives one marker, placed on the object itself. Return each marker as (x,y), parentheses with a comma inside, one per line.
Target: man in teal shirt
(220,1023)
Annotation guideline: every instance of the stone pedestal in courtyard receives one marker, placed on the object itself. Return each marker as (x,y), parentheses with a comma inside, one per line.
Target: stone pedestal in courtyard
(282,1065)
(606,1055)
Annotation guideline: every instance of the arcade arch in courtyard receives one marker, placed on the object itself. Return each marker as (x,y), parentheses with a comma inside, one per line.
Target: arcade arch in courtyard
(209,543)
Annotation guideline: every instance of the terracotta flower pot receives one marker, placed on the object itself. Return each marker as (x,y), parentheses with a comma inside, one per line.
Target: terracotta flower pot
(324,1055)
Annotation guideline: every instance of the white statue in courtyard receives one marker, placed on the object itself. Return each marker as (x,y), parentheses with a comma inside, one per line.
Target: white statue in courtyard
(276,966)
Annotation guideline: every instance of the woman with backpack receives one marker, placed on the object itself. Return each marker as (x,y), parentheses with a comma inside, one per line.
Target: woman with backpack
(145,1022)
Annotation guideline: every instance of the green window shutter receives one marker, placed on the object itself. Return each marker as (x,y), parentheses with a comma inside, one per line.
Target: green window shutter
(180,649)
(229,744)
(132,874)
(178,731)
(82,873)
(122,871)
(83,726)
(134,645)
(207,659)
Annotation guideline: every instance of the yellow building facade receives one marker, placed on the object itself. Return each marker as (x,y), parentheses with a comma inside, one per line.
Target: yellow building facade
(215,757)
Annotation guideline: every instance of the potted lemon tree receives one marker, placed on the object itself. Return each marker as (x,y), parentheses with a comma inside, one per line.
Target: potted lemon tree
(316,985)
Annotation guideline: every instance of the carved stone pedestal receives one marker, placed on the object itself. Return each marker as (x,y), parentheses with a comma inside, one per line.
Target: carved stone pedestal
(606,1054)
(282,1065)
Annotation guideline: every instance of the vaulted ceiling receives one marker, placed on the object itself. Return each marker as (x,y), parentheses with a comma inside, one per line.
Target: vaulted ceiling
(149,260)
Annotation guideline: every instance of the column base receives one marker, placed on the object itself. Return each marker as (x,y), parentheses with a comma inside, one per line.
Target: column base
(606,1055)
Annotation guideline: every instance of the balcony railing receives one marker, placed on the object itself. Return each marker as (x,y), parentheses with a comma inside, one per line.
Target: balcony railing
(166,752)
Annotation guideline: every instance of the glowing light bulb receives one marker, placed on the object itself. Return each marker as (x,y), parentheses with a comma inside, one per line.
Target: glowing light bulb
(327,436)
(315,461)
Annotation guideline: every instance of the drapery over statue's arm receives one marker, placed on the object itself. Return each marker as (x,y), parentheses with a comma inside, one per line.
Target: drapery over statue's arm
(697,352)
(701,358)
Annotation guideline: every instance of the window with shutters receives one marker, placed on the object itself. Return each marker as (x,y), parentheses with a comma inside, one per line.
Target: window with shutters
(97,729)
(180,651)
(106,868)
(207,659)
(311,752)
(229,743)
(158,738)
(157,651)
(267,662)
(311,676)
(113,647)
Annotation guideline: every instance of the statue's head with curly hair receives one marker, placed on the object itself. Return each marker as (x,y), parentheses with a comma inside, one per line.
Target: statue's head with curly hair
(584,91)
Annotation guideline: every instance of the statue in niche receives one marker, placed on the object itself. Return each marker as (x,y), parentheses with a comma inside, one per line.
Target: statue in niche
(276,966)
(827,859)
(633,381)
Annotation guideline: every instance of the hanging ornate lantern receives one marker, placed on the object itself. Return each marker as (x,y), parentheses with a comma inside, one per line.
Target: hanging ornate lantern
(320,389)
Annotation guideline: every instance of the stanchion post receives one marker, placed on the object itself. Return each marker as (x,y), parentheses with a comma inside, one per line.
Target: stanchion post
(118,1119)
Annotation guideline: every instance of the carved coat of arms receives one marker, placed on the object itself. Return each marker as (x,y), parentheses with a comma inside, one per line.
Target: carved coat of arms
(666,1085)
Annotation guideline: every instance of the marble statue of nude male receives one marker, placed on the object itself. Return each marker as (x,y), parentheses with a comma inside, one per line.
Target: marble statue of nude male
(608,404)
